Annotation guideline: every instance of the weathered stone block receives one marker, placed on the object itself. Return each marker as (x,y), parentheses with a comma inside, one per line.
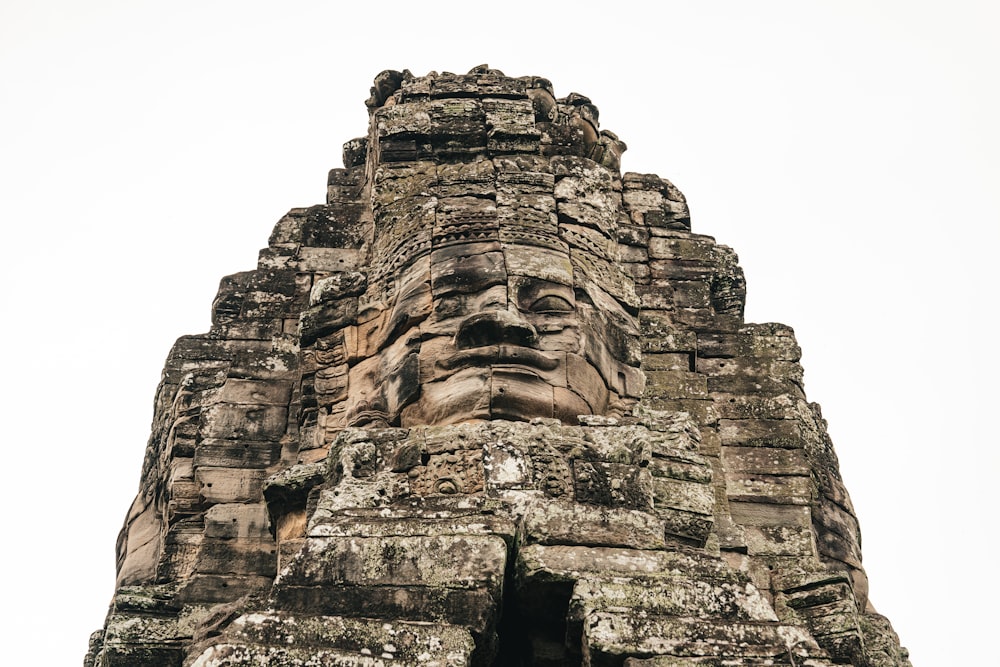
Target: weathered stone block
(327,259)
(476,609)
(739,406)
(766,461)
(767,513)
(752,341)
(682,596)
(793,490)
(612,484)
(236,453)
(548,563)
(241,521)
(701,410)
(434,521)
(276,638)
(779,541)
(230,485)
(558,522)
(668,361)
(693,497)
(687,247)
(779,433)
(676,384)
(440,561)
(205,589)
(673,466)
(609,636)
(684,527)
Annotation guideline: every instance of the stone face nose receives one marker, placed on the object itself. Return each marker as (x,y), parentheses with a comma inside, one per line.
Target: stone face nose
(495,327)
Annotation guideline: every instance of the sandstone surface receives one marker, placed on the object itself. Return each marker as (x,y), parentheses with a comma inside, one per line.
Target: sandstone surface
(493,402)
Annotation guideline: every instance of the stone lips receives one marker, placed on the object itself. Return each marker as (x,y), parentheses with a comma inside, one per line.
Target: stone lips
(493,402)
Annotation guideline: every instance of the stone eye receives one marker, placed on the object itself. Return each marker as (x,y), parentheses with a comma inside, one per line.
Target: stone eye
(552,304)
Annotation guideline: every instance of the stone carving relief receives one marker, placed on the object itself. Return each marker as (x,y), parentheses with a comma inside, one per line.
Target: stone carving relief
(493,403)
(484,307)
(484,330)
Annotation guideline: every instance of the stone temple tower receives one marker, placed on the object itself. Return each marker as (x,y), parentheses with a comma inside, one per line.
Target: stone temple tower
(493,403)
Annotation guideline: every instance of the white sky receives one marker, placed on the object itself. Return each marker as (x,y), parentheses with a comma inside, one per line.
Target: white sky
(847,150)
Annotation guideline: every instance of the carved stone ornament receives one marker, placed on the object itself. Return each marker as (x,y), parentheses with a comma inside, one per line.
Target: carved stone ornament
(493,403)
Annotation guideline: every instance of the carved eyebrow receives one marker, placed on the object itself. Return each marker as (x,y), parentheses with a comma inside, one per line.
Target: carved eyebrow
(464,282)
(530,291)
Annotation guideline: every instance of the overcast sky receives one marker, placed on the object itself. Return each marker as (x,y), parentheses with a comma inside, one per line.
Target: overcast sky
(847,150)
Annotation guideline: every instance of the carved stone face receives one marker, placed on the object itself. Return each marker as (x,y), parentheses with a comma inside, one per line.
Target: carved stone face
(483,330)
